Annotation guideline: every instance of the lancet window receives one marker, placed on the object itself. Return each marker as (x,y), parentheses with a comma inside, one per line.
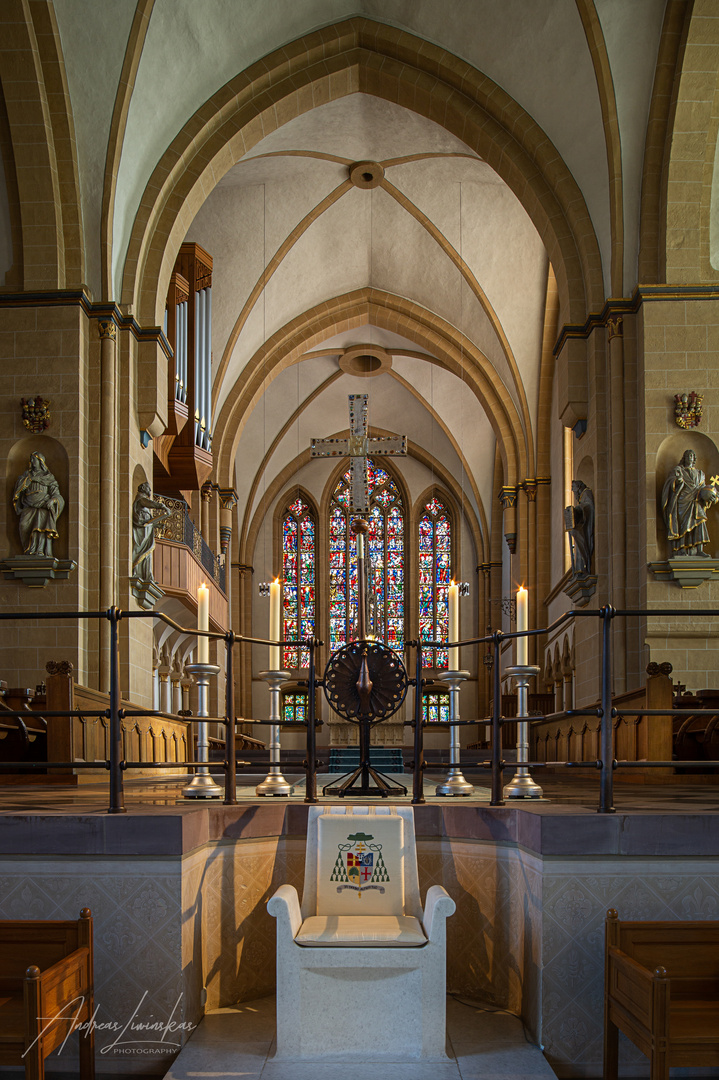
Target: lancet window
(295,707)
(385,559)
(435,707)
(435,556)
(299,586)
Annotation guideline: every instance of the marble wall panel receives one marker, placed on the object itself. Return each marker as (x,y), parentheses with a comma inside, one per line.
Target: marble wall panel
(136,911)
(175,935)
(576,896)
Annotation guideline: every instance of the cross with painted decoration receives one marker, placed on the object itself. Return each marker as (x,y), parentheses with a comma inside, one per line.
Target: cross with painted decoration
(358,447)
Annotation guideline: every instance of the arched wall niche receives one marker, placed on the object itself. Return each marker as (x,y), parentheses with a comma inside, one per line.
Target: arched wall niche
(139,476)
(585,472)
(57,462)
(670,454)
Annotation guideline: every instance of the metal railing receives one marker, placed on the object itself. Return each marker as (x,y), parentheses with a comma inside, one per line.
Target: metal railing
(115,713)
(181,529)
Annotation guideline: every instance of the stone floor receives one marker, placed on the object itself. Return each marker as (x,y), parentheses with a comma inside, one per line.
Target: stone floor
(239,1042)
(563,794)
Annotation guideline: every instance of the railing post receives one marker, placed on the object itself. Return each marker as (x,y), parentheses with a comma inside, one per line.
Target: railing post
(496,799)
(117,794)
(230,741)
(311,759)
(418,778)
(606,779)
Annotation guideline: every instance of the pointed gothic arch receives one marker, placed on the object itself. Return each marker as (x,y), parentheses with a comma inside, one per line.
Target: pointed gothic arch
(360,55)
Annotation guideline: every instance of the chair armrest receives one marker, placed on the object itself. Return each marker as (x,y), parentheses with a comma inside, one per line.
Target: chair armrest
(438,906)
(285,907)
(636,994)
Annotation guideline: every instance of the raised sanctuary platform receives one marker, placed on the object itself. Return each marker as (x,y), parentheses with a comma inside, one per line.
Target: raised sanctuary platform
(178,892)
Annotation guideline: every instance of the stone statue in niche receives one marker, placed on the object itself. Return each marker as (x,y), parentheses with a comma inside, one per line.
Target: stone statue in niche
(579,523)
(685,499)
(38,503)
(144,523)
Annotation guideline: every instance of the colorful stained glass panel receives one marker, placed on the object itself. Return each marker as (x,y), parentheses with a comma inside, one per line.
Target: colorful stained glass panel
(384,561)
(435,554)
(298,572)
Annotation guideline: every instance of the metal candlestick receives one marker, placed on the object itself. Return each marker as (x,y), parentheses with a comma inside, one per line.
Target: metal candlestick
(274,783)
(521,786)
(454,782)
(202,786)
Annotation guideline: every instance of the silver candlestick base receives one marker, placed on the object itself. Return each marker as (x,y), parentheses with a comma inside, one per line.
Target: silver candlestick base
(202,786)
(274,783)
(454,782)
(521,786)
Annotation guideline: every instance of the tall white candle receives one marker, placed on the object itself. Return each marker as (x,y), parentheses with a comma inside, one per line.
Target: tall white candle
(522,624)
(203,623)
(454,625)
(275,624)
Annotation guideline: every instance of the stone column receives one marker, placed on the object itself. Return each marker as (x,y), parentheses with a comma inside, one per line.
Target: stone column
(165,688)
(508,499)
(228,501)
(206,493)
(156,684)
(108,336)
(530,490)
(176,692)
(618,496)
(186,686)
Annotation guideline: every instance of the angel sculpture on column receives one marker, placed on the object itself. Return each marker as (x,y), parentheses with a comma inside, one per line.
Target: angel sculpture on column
(144,523)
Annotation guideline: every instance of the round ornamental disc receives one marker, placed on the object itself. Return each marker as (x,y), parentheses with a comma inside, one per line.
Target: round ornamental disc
(386,672)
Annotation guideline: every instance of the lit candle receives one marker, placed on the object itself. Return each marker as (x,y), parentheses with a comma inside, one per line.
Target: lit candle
(203,623)
(275,624)
(454,625)
(522,624)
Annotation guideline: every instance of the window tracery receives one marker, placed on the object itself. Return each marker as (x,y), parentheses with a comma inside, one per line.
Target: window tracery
(435,556)
(299,534)
(385,559)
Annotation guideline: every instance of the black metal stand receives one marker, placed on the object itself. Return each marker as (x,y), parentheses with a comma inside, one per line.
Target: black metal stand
(364,772)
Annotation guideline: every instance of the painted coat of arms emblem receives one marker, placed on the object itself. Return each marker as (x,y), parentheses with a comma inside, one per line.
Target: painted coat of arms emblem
(359,865)
(688,409)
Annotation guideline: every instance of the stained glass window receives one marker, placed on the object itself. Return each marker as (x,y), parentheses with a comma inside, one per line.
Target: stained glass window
(298,572)
(435,708)
(385,551)
(435,554)
(295,707)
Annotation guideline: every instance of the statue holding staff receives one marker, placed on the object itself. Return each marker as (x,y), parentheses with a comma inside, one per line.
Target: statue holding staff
(685,499)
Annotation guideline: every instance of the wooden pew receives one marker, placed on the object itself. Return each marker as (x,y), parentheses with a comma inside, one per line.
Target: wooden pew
(661,988)
(577,738)
(22,738)
(144,738)
(696,738)
(46,972)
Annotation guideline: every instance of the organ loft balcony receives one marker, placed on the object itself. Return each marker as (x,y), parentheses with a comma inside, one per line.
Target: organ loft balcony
(183,560)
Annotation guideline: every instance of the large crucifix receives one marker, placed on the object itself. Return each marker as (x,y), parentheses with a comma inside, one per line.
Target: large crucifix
(358,447)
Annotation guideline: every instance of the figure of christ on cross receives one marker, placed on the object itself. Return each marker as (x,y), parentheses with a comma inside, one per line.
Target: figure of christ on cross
(358,447)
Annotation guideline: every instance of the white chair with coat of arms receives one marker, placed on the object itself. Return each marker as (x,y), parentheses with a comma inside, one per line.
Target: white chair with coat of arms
(361,966)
